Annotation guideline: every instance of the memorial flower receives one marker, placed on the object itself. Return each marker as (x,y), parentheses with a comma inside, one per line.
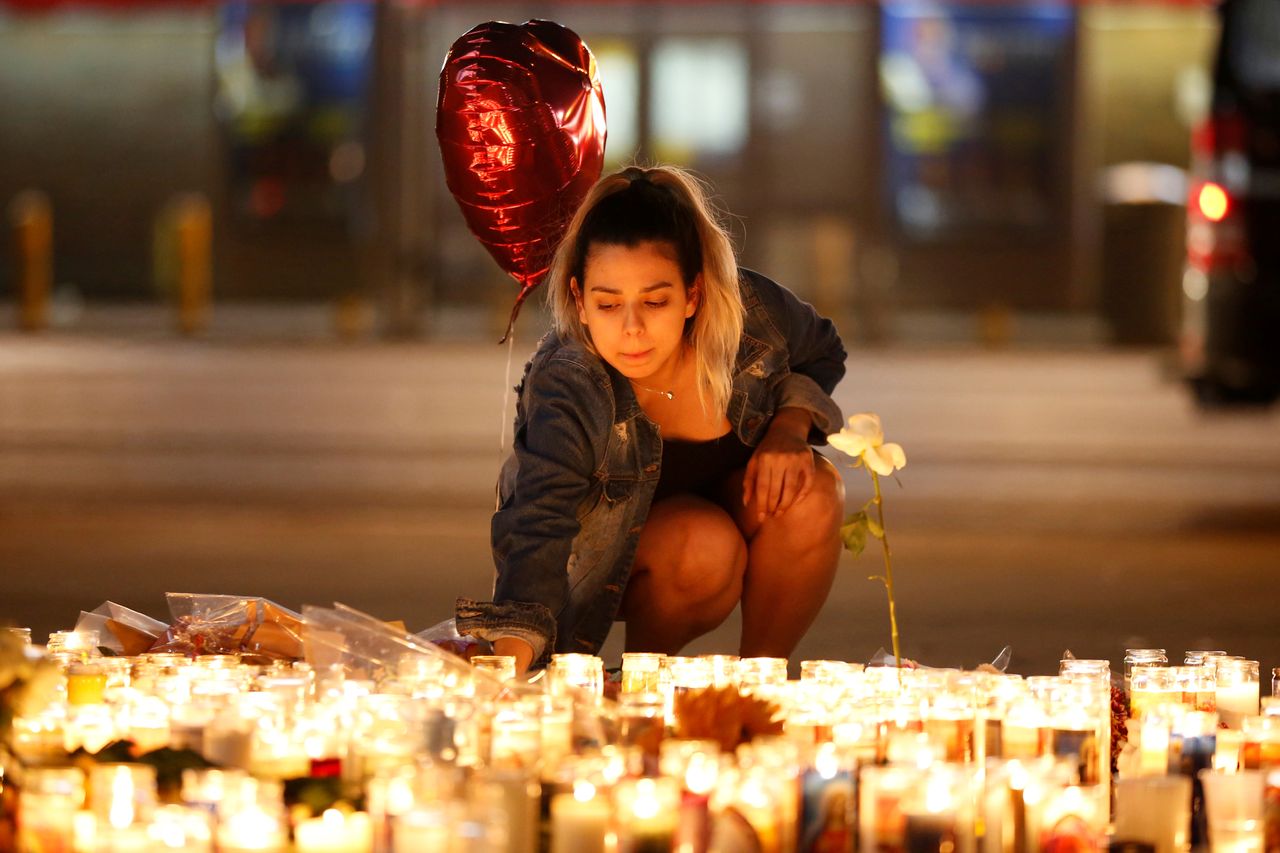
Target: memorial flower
(863,440)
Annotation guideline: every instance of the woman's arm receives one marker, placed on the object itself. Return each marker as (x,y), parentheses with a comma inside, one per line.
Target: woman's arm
(532,532)
(815,355)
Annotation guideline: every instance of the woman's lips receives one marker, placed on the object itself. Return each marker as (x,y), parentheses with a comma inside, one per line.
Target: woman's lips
(636,356)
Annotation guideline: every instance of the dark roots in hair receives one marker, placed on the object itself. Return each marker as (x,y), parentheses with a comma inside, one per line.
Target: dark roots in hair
(639,213)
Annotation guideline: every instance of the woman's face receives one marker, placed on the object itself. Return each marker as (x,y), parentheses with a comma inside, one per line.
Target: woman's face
(634,302)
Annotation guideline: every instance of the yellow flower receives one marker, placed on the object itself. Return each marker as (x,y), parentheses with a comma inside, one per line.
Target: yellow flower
(863,439)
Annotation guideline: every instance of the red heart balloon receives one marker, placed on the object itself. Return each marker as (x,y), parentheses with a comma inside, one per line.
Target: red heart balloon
(521,125)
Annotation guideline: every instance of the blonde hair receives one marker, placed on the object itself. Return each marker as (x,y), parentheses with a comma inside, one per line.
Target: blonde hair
(668,205)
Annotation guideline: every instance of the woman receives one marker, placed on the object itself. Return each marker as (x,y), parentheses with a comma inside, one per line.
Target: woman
(662,471)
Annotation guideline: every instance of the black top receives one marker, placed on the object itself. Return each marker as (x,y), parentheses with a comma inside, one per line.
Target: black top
(700,467)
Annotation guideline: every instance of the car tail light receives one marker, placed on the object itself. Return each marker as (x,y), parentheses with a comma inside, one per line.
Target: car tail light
(1215,231)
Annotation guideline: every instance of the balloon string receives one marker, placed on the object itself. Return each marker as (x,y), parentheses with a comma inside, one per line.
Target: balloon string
(506,401)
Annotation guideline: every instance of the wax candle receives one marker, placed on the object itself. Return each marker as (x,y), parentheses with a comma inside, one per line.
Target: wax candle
(1238,691)
(47,806)
(647,815)
(579,820)
(252,829)
(1154,810)
(335,832)
(827,803)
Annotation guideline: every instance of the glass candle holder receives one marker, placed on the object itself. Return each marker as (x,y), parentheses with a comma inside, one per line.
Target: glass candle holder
(47,806)
(122,795)
(1150,685)
(501,667)
(1196,657)
(1237,691)
(1192,745)
(1260,749)
(67,646)
(86,682)
(938,812)
(724,669)
(762,676)
(881,792)
(22,635)
(580,819)
(569,673)
(647,813)
(1134,657)
(516,739)
(1233,804)
(1199,687)
(641,672)
(1154,810)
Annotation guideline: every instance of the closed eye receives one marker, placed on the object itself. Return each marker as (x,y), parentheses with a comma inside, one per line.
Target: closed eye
(661,304)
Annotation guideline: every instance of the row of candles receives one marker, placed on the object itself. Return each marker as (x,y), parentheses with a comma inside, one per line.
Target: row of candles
(444,756)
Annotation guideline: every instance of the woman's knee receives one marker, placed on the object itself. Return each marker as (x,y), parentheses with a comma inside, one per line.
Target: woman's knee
(820,511)
(699,554)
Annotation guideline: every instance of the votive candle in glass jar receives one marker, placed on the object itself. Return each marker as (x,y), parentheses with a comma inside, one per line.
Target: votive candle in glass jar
(1135,657)
(1237,691)
(696,763)
(641,672)
(580,819)
(122,795)
(827,805)
(516,739)
(1260,749)
(1197,657)
(334,831)
(724,669)
(1193,743)
(23,635)
(570,672)
(179,828)
(86,683)
(501,667)
(881,791)
(1199,686)
(647,814)
(642,725)
(67,646)
(1151,685)
(47,806)
(764,677)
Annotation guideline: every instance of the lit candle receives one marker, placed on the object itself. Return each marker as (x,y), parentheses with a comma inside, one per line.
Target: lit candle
(47,806)
(647,815)
(826,807)
(579,820)
(335,832)
(251,830)
(1237,691)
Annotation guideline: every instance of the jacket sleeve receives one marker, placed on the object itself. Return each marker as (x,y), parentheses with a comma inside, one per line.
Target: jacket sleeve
(534,528)
(815,355)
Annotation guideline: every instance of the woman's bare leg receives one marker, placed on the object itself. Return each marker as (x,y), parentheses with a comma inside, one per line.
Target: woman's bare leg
(687,575)
(791,563)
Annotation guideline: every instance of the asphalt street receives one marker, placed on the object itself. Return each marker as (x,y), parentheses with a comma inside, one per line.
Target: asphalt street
(1053,500)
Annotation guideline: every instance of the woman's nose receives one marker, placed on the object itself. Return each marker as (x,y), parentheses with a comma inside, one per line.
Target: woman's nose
(631,321)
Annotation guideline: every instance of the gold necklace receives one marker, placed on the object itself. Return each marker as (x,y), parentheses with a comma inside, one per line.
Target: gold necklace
(670,395)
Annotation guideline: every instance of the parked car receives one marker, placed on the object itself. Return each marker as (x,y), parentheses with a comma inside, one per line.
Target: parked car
(1230,339)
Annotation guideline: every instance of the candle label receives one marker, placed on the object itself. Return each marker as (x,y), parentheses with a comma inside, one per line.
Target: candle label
(1069,835)
(1081,748)
(827,809)
(1271,817)
(1188,756)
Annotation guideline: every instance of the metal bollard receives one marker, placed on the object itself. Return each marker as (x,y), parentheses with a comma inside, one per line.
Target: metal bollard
(31,218)
(183,257)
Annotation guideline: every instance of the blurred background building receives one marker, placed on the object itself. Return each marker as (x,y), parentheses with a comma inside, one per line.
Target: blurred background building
(920,170)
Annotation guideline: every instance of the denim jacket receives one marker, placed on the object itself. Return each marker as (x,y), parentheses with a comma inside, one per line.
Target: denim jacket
(575,493)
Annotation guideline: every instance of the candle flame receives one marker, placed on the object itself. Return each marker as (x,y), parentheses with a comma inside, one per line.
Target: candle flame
(583,791)
(121,814)
(700,775)
(332,819)
(827,762)
(646,805)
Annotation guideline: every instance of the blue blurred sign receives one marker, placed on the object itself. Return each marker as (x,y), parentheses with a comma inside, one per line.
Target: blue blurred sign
(978,117)
(292,94)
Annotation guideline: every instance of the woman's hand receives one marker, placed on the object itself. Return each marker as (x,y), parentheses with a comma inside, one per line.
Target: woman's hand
(517,648)
(781,469)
